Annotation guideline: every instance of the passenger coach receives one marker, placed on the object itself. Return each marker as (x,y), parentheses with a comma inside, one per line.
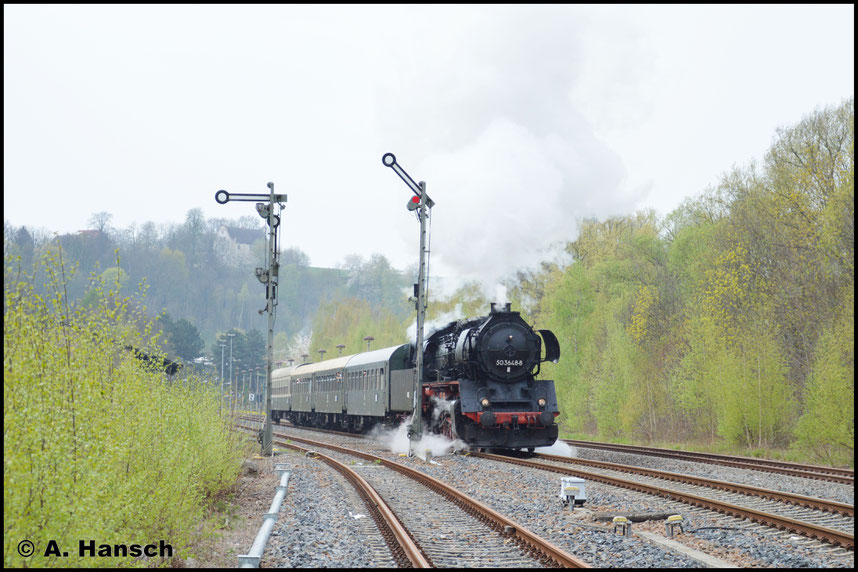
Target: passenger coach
(349,392)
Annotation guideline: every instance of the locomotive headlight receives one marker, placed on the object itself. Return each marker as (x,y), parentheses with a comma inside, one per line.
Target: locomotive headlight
(485,402)
(541,402)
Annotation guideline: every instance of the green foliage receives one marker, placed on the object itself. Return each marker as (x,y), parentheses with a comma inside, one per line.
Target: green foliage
(827,426)
(757,408)
(467,301)
(348,322)
(189,270)
(184,339)
(97,444)
(731,319)
(376,282)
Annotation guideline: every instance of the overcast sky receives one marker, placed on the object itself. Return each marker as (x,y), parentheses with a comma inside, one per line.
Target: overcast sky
(522,120)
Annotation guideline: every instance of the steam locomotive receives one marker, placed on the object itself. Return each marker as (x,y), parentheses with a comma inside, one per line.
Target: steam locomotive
(478,385)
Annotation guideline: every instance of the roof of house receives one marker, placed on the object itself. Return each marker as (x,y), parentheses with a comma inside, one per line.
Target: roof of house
(245,235)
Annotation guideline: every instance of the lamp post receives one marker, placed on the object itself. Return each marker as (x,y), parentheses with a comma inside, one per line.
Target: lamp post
(305,356)
(244,376)
(230,336)
(222,345)
(340,348)
(233,392)
(422,204)
(322,355)
(368,339)
(256,389)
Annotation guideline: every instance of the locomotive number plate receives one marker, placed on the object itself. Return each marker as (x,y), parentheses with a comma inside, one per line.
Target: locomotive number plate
(509,362)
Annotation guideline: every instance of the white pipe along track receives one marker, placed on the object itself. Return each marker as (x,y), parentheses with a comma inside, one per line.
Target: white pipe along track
(251,559)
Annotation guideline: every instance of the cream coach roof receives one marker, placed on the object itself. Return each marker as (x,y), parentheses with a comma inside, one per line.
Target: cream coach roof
(324,365)
(375,356)
(286,371)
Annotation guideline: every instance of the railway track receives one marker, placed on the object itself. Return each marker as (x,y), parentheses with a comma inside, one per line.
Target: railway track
(830,506)
(455,536)
(817,519)
(765,511)
(816,472)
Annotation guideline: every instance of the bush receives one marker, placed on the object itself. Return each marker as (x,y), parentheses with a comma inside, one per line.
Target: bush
(99,445)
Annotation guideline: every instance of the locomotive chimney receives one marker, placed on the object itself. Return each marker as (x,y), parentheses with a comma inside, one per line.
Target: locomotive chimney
(499,307)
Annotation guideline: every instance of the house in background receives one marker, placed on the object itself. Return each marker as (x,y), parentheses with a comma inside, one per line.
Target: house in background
(234,243)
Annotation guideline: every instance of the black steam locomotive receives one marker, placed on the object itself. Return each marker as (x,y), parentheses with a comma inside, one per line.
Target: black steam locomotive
(479,385)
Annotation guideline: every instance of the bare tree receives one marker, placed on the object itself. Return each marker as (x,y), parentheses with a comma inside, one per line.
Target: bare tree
(100,221)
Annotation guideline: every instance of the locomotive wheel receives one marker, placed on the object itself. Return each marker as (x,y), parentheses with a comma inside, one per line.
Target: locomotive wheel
(447,427)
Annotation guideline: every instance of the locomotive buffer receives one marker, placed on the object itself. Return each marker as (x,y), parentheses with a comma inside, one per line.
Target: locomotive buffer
(420,202)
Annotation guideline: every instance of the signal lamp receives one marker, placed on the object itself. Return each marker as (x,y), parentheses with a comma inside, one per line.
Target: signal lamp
(413,203)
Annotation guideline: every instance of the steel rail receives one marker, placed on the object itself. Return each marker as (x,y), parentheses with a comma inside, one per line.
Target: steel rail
(791,498)
(522,535)
(817,472)
(844,539)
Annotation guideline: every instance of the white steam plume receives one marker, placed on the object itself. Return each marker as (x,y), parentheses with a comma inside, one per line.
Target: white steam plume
(396,440)
(506,148)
